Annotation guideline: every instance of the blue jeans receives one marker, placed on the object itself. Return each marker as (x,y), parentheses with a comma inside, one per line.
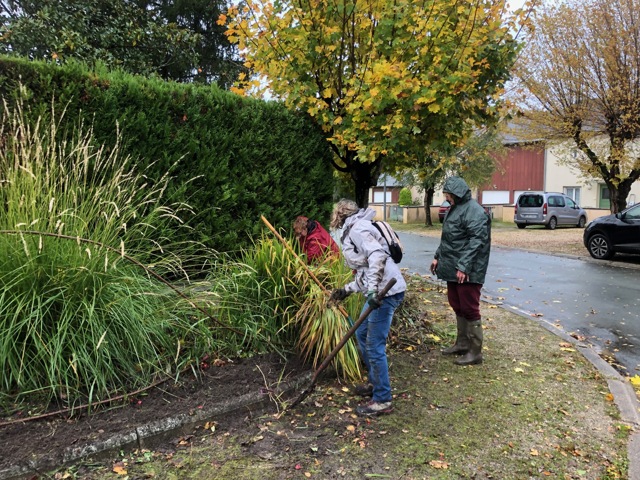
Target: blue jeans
(372,341)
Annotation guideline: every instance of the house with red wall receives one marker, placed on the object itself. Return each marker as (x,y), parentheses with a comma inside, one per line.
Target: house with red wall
(520,168)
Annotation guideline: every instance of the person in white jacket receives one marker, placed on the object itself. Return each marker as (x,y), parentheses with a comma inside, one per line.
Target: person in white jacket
(366,252)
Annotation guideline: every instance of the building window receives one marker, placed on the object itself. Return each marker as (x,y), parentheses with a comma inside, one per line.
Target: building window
(573,193)
(379,196)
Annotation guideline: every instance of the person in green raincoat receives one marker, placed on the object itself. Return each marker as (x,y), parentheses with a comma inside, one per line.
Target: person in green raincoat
(461,260)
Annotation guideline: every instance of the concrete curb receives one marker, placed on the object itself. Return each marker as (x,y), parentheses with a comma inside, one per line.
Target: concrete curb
(624,396)
(154,433)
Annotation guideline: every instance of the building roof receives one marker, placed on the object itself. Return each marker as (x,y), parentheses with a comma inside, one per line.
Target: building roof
(390,181)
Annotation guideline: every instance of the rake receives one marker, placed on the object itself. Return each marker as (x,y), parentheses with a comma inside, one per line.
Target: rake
(314,379)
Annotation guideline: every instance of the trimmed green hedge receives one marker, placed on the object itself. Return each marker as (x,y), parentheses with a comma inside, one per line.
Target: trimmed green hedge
(238,158)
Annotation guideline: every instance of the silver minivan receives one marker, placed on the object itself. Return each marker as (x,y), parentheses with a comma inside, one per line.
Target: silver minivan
(549,209)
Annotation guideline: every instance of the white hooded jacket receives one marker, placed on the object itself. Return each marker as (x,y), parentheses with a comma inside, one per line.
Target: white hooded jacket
(366,252)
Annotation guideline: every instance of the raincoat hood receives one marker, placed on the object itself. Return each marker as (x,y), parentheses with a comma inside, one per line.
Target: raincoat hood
(362,214)
(458,187)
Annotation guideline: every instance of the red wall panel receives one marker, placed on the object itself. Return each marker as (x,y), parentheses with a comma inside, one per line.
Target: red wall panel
(520,168)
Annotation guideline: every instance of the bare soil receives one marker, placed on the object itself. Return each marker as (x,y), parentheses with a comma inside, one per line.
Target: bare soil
(45,440)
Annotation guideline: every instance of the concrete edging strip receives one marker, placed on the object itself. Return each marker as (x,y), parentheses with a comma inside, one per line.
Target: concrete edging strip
(145,435)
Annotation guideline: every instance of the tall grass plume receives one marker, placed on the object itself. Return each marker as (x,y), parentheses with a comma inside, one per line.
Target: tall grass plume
(77,321)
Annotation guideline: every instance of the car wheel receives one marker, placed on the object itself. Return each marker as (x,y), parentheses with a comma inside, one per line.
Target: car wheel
(553,223)
(521,225)
(582,222)
(600,247)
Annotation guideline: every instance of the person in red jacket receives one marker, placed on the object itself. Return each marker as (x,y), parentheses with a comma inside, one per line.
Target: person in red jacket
(314,239)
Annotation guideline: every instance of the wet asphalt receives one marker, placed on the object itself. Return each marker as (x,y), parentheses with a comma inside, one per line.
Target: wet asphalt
(595,301)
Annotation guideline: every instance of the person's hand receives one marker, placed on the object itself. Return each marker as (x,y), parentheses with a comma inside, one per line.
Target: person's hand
(434,266)
(462,277)
(338,295)
(372,299)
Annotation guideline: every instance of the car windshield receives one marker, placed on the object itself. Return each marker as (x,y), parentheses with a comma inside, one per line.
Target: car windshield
(530,201)
(633,213)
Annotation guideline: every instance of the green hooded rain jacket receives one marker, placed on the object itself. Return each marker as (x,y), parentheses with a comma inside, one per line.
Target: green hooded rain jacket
(465,243)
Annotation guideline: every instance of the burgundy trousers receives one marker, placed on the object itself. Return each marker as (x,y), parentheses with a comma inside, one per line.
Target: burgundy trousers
(464,298)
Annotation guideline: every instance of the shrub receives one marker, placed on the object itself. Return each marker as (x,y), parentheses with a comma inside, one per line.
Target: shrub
(271,295)
(405,198)
(239,158)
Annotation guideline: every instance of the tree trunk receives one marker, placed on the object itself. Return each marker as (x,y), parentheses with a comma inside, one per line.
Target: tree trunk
(620,195)
(428,201)
(623,190)
(365,176)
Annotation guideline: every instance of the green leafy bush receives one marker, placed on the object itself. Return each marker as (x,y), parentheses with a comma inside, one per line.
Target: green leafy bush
(405,198)
(239,158)
(273,297)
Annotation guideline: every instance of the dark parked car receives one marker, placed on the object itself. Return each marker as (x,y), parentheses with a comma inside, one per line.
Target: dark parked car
(605,236)
(442,211)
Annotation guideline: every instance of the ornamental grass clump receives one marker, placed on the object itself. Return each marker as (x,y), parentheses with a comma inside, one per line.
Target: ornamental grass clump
(271,295)
(84,239)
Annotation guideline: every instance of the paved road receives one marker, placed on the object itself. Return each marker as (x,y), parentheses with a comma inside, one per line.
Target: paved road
(595,300)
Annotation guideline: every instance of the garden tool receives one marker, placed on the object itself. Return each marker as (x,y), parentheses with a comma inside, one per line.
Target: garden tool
(305,393)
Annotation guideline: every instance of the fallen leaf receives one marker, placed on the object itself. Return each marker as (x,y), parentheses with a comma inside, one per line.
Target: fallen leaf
(534,452)
(119,468)
(439,464)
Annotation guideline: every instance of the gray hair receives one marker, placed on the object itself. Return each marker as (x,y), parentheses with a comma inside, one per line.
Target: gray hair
(343,209)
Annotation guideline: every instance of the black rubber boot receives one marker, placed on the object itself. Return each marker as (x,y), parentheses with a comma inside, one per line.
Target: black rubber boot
(474,355)
(461,344)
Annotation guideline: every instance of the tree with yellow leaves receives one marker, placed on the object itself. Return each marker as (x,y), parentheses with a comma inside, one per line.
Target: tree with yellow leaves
(379,76)
(581,77)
